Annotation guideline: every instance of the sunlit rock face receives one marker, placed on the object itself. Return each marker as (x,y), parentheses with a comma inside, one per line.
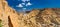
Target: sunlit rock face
(8,15)
(48,17)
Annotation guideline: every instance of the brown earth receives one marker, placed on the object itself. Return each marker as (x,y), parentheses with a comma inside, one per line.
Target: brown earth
(47,17)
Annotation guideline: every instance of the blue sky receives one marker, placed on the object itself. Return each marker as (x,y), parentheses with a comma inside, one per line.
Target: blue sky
(35,4)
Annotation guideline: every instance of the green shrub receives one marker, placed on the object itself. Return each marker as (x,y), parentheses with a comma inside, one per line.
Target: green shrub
(0,23)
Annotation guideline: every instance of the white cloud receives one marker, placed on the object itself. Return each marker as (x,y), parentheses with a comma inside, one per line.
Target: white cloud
(28,4)
(23,3)
(25,0)
(24,8)
(20,5)
(28,0)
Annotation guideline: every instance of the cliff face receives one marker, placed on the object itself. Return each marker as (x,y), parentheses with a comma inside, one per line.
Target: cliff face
(8,16)
(48,17)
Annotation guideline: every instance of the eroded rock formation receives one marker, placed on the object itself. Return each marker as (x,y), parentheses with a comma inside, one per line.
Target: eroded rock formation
(8,14)
(48,17)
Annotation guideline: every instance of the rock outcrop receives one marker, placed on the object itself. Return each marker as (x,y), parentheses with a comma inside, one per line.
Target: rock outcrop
(8,16)
(48,17)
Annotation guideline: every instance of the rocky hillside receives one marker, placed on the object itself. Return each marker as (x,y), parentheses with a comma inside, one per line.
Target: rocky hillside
(47,17)
(8,16)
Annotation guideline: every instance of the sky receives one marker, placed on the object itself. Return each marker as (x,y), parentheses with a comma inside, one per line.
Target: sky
(30,4)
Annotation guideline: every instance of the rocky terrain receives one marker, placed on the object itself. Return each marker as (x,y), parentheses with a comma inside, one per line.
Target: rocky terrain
(47,17)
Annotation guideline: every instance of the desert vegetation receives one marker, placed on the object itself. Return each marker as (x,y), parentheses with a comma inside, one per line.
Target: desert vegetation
(0,23)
